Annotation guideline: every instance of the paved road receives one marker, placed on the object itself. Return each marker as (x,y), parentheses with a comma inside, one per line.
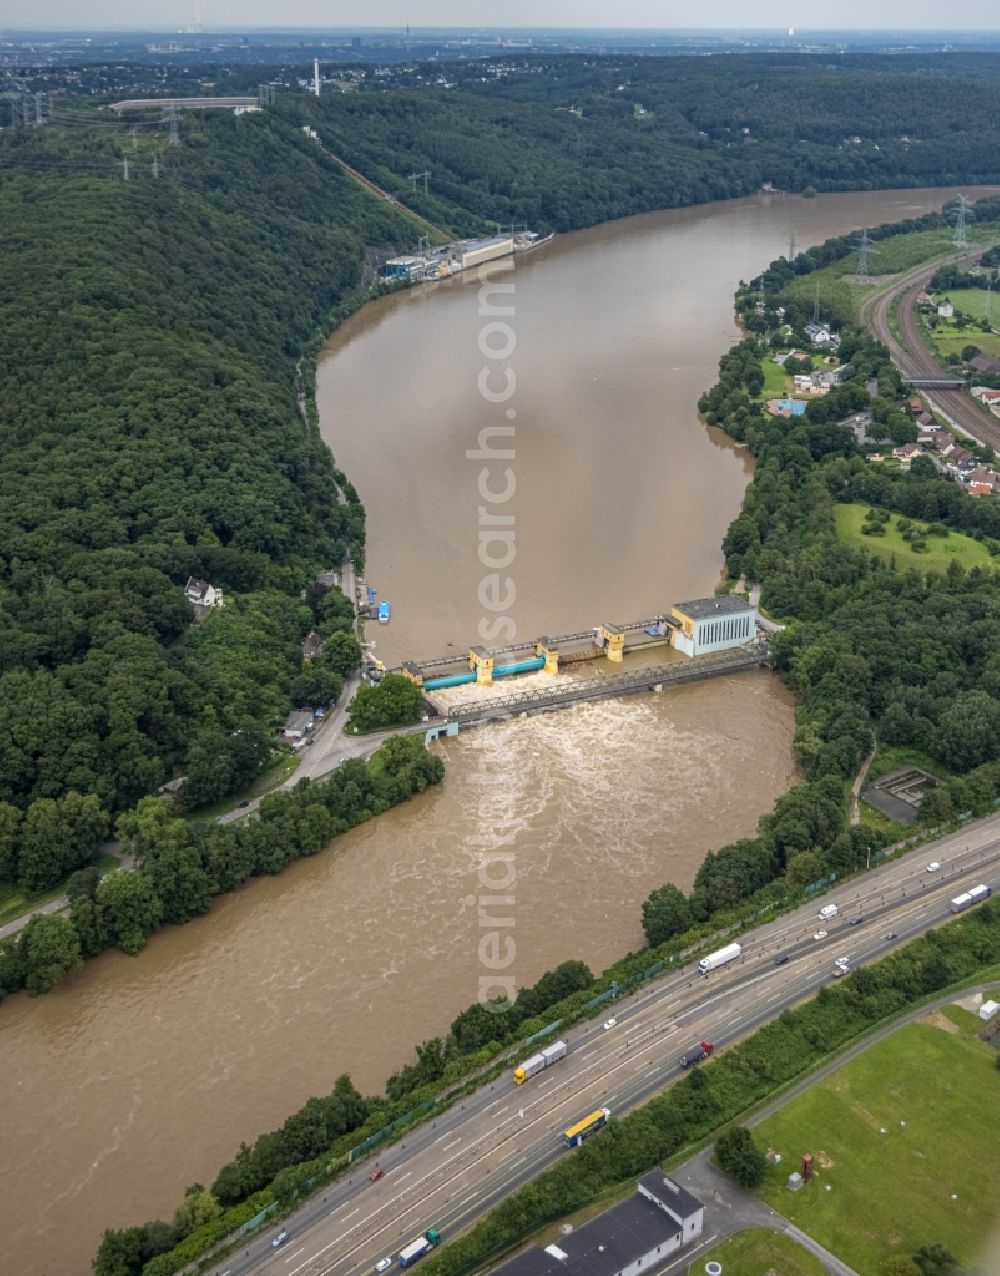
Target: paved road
(450,1172)
(915,360)
(62,901)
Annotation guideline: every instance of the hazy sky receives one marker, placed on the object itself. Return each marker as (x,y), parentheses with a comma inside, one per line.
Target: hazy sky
(176,14)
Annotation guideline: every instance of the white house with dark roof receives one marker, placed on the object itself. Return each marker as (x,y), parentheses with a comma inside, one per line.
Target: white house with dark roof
(201,594)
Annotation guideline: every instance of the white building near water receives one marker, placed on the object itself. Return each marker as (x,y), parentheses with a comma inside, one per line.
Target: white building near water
(713,624)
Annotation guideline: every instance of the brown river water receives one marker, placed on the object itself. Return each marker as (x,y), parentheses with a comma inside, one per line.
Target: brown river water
(141,1076)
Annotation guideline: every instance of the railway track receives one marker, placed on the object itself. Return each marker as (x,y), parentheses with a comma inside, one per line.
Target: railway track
(912,356)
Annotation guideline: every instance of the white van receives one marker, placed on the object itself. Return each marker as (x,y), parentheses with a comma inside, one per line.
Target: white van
(830,910)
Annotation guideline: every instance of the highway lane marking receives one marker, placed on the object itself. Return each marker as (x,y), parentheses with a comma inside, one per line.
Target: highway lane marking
(352,1213)
(454,1143)
(300,1250)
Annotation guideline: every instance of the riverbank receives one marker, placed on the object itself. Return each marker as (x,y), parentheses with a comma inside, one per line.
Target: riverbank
(297,976)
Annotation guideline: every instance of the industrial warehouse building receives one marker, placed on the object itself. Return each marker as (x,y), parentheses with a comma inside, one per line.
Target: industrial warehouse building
(404,267)
(473,252)
(713,624)
(636,1236)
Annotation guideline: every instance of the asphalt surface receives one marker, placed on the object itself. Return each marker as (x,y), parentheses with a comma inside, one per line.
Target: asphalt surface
(450,1172)
(916,362)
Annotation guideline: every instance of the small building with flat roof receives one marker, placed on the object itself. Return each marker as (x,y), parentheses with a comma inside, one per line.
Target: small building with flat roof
(714,624)
(636,1236)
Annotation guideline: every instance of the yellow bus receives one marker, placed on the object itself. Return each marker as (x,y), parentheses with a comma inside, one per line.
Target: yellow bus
(575,1135)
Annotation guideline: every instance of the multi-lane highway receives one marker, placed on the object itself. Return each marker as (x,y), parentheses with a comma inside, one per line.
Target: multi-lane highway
(915,361)
(449,1172)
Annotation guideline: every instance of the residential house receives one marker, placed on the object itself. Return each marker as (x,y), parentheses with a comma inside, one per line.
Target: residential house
(915,405)
(299,724)
(985,474)
(312,645)
(986,364)
(945,309)
(963,461)
(926,421)
(943,441)
(201,594)
(906,453)
(985,395)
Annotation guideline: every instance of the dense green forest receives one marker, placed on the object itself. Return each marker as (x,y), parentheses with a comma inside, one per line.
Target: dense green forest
(150,432)
(563,143)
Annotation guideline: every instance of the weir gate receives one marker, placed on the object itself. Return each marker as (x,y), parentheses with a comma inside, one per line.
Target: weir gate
(577,690)
(711,636)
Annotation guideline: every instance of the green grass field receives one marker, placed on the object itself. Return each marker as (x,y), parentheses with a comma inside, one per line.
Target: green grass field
(974,302)
(941,550)
(929,1178)
(760,1252)
(777,384)
(948,340)
(841,299)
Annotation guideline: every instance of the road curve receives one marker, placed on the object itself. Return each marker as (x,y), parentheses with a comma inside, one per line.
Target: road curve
(448,1173)
(915,361)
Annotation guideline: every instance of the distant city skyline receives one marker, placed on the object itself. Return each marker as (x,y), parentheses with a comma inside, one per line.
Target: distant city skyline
(169,15)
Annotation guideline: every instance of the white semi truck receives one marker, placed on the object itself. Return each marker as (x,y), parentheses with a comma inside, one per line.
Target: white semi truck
(721,957)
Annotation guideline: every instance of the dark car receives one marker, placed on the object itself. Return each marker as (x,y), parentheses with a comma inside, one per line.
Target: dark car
(243,804)
(311,740)
(855,921)
(781,959)
(891,935)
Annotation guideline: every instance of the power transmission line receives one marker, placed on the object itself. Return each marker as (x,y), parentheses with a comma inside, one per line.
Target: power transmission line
(865,247)
(961,236)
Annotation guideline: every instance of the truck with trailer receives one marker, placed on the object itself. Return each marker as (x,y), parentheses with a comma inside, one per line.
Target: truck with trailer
(418,1248)
(975,895)
(575,1135)
(701,1051)
(721,957)
(539,1062)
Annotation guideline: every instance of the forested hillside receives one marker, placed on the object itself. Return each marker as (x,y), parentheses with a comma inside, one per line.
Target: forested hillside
(150,431)
(563,143)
